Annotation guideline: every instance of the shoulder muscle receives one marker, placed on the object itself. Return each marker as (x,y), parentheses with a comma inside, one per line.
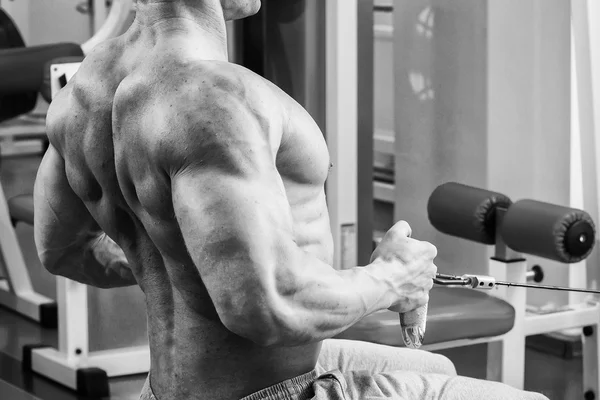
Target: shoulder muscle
(214,122)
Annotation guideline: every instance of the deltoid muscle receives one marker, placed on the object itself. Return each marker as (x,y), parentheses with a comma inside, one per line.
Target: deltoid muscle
(412,324)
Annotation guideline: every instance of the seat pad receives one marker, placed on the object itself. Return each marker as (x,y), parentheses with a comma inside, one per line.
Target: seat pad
(453,314)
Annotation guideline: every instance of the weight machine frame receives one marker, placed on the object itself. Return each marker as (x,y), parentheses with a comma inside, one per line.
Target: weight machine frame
(16,290)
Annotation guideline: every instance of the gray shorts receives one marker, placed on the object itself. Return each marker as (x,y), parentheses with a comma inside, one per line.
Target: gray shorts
(352,370)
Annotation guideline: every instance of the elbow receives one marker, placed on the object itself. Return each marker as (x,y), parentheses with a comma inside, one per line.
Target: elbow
(58,264)
(51,264)
(264,325)
(262,336)
(51,260)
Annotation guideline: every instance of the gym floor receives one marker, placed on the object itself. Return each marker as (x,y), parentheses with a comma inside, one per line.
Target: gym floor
(557,378)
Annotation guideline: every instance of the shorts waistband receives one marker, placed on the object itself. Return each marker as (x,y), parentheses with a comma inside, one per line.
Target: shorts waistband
(298,388)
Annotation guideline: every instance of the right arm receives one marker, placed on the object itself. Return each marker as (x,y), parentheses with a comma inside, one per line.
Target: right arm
(236,221)
(235,218)
(238,230)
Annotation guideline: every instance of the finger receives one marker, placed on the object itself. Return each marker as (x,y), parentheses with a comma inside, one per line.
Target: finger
(434,270)
(430,250)
(374,255)
(428,285)
(401,228)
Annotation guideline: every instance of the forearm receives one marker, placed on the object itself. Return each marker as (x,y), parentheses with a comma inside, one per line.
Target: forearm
(316,302)
(96,262)
(326,302)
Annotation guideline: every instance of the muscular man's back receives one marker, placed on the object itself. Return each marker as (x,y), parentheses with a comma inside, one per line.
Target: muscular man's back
(122,125)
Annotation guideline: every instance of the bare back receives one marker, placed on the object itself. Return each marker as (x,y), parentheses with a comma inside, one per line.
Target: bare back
(109,125)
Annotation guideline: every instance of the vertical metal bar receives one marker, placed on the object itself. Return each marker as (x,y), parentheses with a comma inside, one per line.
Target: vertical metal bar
(584,155)
(233,44)
(250,46)
(365,105)
(580,131)
(16,272)
(341,126)
(99,14)
(72,299)
(506,358)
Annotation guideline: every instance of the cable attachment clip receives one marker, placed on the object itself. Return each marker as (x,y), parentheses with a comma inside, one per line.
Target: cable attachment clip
(481,282)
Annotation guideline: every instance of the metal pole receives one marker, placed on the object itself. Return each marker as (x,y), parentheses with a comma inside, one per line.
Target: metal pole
(365,212)
(341,129)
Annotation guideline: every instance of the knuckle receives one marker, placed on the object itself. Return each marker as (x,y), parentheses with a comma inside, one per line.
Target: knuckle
(430,250)
(401,229)
(407,230)
(429,285)
(391,234)
(375,254)
(434,270)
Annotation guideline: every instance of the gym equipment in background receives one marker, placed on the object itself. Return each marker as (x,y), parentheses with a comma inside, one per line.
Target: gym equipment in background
(485,282)
(553,232)
(12,105)
(459,316)
(23,71)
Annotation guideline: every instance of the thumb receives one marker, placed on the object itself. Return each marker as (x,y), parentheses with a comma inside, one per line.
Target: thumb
(401,228)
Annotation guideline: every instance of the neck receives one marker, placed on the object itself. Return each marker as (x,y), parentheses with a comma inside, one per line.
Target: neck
(164,18)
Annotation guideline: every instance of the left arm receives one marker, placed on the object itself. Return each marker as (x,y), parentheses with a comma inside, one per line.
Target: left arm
(69,241)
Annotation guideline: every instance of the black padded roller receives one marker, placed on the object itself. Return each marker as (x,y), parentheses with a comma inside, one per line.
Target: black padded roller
(465,211)
(12,105)
(546,230)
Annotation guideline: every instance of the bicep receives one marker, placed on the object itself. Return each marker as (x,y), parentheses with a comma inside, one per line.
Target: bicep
(61,220)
